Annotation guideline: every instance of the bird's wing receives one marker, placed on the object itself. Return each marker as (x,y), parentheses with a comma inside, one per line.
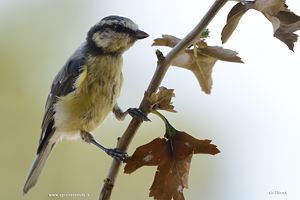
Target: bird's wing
(62,85)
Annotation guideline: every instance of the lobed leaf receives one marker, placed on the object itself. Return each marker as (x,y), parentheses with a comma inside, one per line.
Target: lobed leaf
(284,22)
(166,40)
(202,63)
(146,155)
(173,158)
(289,23)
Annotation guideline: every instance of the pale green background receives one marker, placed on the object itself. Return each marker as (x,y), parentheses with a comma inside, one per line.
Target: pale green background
(252,113)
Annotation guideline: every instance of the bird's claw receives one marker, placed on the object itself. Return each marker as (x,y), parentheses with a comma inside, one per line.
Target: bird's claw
(137,113)
(118,154)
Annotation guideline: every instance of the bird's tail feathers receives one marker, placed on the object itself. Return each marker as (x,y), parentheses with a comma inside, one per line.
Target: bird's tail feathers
(37,166)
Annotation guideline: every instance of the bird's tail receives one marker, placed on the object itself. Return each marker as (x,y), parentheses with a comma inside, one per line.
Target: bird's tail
(37,166)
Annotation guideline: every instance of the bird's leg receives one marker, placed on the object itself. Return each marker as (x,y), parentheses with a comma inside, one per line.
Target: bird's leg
(114,152)
(133,112)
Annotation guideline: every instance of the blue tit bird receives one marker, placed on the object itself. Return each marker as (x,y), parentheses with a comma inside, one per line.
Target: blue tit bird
(86,89)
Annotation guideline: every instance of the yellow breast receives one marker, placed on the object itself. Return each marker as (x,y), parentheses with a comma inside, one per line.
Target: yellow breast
(97,90)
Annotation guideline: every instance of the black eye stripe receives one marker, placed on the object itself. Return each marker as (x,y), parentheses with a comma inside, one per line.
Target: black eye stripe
(118,28)
(113,26)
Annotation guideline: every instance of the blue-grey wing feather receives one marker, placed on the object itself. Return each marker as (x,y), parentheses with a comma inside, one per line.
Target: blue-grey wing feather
(58,89)
(62,85)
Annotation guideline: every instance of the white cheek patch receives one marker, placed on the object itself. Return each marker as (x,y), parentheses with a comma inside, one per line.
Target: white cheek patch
(109,41)
(98,40)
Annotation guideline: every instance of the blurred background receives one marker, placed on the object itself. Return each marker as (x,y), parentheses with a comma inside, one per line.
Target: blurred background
(252,114)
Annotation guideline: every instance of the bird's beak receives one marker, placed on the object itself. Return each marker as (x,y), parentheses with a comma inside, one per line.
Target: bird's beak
(140,34)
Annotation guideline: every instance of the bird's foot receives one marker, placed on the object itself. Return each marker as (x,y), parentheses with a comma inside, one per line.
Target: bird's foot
(137,113)
(116,153)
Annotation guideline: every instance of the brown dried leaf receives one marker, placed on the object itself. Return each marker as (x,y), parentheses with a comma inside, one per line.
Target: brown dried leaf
(284,22)
(149,154)
(233,18)
(162,99)
(289,23)
(270,7)
(166,40)
(173,158)
(221,54)
(199,146)
(201,44)
(201,65)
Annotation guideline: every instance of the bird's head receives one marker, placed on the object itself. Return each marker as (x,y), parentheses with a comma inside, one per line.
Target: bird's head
(113,35)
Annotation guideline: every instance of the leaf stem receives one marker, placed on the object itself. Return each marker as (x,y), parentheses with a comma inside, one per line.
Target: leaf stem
(162,67)
(171,130)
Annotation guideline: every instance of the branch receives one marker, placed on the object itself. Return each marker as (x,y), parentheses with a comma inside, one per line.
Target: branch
(162,66)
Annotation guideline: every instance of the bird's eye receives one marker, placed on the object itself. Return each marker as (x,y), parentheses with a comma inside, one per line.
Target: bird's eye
(118,27)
